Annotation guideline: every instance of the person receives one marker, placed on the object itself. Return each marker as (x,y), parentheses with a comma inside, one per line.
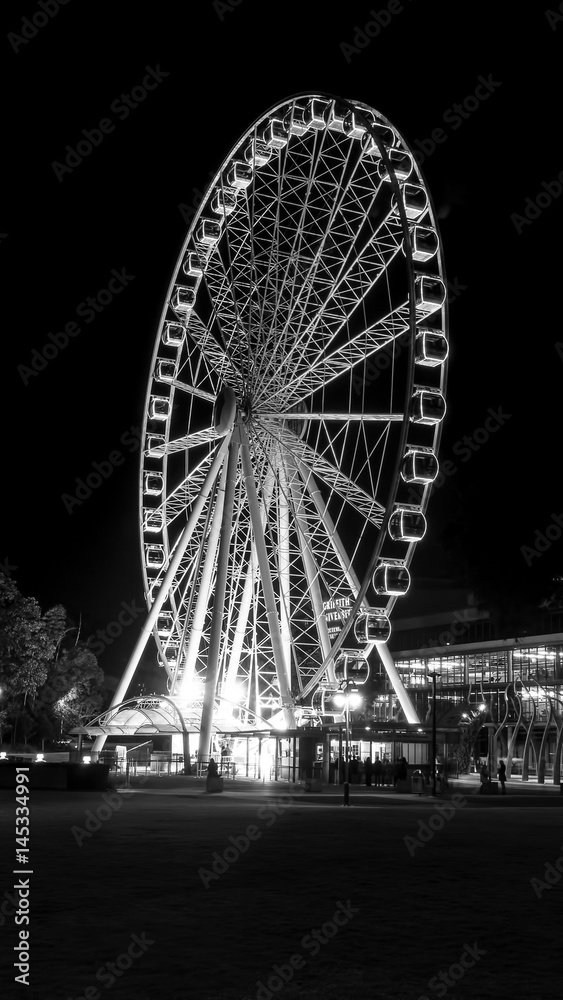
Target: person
(378,772)
(484,775)
(502,775)
(354,771)
(368,770)
(339,770)
(402,772)
(212,773)
(396,769)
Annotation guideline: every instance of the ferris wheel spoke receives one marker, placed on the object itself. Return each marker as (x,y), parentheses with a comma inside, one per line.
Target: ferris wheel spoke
(292,287)
(193,390)
(327,296)
(325,519)
(228,315)
(182,496)
(217,357)
(312,570)
(345,300)
(185,580)
(195,440)
(326,417)
(320,370)
(333,477)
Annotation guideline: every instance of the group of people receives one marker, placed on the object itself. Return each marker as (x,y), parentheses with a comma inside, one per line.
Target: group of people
(382,772)
(486,777)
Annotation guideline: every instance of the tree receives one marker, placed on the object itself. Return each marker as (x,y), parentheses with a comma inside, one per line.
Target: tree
(28,639)
(77,681)
(470,726)
(28,642)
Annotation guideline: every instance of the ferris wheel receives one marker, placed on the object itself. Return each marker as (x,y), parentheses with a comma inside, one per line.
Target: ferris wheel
(293,413)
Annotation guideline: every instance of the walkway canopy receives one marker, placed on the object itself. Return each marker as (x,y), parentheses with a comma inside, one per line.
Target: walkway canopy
(158,715)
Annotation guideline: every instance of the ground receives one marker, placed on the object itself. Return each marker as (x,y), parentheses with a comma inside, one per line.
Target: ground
(166,893)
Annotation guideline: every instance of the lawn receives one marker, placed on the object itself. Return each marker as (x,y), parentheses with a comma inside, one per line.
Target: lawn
(308,899)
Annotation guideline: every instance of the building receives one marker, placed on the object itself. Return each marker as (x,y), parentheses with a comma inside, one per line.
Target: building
(512,685)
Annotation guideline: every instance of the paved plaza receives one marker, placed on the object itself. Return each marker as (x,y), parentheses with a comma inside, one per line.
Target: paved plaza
(165,892)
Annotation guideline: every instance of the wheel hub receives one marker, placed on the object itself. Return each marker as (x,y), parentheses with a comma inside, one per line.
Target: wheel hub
(246,409)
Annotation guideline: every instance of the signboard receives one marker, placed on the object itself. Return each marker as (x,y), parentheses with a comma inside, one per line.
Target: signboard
(336,610)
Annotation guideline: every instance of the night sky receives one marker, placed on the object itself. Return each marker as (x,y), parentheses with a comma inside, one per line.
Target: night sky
(114,217)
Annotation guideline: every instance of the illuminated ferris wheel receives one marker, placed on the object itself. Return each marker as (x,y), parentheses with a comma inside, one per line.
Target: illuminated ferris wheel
(293,413)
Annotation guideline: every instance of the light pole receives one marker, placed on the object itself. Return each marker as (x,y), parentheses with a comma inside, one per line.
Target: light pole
(433,675)
(349,699)
(347,769)
(491,761)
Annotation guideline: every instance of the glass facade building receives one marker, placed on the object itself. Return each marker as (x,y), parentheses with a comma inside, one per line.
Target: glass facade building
(515,684)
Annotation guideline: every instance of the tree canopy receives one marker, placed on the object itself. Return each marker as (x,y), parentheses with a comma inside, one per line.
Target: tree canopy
(48,678)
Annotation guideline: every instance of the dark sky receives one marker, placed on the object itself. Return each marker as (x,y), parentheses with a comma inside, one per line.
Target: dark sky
(218,68)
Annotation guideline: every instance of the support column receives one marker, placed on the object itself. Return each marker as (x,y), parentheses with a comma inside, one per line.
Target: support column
(212,671)
(312,573)
(509,666)
(398,686)
(186,746)
(283,573)
(204,591)
(267,585)
(326,759)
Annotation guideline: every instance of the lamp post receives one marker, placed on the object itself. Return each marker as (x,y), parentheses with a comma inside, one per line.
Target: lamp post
(433,675)
(349,699)
(347,769)
(491,761)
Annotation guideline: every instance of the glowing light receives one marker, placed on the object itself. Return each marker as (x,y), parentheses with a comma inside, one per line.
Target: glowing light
(277,721)
(194,691)
(267,759)
(236,692)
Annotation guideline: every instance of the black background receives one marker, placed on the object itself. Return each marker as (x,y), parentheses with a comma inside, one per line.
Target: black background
(119,209)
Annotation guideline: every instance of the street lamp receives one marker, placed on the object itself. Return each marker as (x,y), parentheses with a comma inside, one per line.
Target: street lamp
(349,699)
(433,675)
(351,670)
(491,755)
